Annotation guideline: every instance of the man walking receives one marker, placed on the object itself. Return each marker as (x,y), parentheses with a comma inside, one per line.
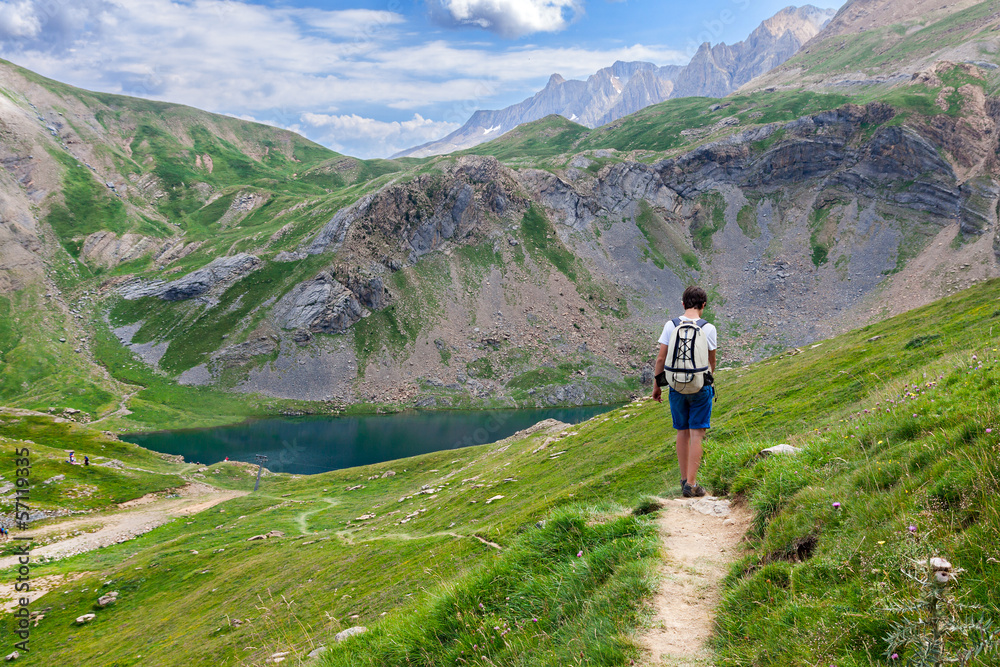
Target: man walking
(691,413)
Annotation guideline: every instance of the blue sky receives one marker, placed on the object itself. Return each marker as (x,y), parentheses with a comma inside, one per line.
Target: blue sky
(365,77)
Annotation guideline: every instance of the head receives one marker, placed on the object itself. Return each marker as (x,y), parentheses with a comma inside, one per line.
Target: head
(694,297)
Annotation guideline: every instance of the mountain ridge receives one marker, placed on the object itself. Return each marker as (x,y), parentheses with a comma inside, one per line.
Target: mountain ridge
(626,87)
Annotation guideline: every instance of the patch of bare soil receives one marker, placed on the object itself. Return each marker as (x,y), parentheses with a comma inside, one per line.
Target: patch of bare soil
(9,598)
(701,537)
(131,520)
(938,271)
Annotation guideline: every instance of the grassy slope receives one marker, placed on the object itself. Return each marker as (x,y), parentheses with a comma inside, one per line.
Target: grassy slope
(888,469)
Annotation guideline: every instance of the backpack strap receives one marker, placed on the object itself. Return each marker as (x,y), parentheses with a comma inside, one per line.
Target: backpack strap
(701,323)
(676,321)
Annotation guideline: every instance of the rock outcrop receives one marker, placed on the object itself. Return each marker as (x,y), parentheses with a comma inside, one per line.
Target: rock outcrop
(219,272)
(319,305)
(402,222)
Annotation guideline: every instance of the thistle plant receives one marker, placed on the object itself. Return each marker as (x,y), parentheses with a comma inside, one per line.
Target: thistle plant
(935,629)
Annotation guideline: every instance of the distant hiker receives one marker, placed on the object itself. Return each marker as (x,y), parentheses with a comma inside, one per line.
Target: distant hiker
(690,343)
(72,457)
(86,460)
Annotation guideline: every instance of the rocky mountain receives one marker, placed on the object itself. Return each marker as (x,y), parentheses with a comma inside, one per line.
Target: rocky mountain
(626,87)
(886,42)
(152,253)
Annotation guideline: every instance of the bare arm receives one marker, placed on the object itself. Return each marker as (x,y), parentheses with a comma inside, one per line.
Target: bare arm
(711,358)
(661,359)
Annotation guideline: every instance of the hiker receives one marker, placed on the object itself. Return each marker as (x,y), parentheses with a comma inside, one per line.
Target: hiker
(86,460)
(72,457)
(690,393)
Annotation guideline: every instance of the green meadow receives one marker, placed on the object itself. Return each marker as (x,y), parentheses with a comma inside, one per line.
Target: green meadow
(529,551)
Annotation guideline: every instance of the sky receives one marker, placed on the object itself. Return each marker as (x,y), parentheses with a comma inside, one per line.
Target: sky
(364,77)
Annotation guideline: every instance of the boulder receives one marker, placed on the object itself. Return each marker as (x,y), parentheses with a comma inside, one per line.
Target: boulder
(86,618)
(105,600)
(320,305)
(780,449)
(349,632)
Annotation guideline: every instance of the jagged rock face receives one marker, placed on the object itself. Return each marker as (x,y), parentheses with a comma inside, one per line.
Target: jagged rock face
(219,272)
(978,206)
(367,286)
(826,146)
(409,220)
(321,305)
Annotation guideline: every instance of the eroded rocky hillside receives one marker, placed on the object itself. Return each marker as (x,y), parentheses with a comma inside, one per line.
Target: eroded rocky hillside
(147,244)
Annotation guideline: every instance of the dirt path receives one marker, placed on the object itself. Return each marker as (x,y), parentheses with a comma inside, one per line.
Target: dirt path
(131,520)
(700,539)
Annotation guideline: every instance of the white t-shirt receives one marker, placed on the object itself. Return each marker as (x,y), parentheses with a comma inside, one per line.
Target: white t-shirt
(710,333)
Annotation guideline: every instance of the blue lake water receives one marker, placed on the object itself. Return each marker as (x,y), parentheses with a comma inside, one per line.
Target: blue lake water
(307,445)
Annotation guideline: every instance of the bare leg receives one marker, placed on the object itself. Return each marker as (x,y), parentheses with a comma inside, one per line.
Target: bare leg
(693,453)
(682,452)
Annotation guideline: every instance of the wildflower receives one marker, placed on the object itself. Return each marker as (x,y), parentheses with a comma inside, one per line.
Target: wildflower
(579,554)
(534,620)
(881,541)
(836,506)
(914,414)
(894,656)
(913,529)
(989,430)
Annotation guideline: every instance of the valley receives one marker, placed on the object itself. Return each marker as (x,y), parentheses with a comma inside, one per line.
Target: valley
(165,268)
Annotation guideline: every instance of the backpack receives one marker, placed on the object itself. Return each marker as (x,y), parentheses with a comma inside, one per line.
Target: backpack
(687,357)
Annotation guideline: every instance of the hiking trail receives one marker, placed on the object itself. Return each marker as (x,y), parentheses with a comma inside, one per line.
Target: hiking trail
(700,538)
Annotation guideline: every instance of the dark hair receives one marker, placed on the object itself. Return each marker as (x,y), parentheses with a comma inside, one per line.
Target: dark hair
(694,297)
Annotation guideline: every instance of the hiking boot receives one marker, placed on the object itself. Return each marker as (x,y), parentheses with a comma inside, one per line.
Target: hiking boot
(695,491)
(683,484)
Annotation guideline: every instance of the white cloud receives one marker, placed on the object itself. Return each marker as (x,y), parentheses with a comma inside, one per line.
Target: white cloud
(277,63)
(511,18)
(18,20)
(344,132)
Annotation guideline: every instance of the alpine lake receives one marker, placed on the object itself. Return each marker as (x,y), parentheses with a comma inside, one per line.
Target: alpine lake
(309,445)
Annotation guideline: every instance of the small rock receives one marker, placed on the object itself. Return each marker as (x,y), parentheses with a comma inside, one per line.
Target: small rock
(316,652)
(105,600)
(275,533)
(257,537)
(86,618)
(349,632)
(780,449)
(493,498)
(388,473)
(12,656)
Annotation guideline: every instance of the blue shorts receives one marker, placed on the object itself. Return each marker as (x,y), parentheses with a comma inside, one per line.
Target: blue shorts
(692,410)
